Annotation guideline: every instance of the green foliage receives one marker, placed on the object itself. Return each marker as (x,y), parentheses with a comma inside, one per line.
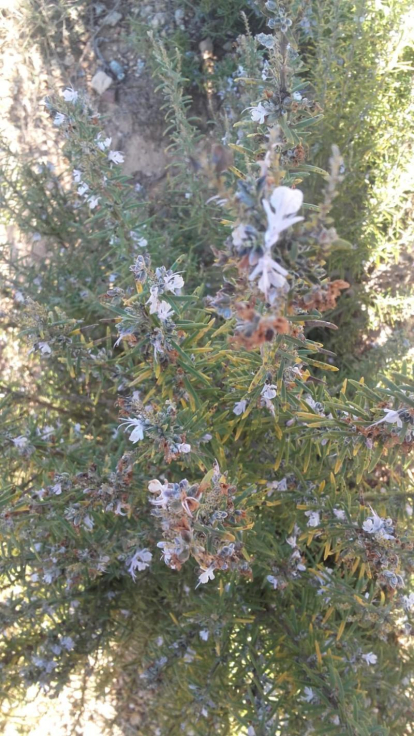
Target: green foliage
(360,57)
(223,19)
(188,501)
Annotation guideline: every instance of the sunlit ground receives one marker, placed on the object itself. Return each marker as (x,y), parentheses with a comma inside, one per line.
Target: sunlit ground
(46,717)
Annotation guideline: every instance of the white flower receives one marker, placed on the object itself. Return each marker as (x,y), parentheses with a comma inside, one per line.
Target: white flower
(167,551)
(44,348)
(206,575)
(339,514)
(137,433)
(189,655)
(375,524)
(103,144)
(153,301)
(370,658)
(408,601)
(56,489)
(154,486)
(45,664)
(122,336)
(67,643)
(239,235)
(93,202)
(70,95)
(82,189)
(283,205)
(20,442)
(59,119)
(309,695)
(77,176)
(391,416)
(272,486)
(139,561)
(116,157)
(46,432)
(272,277)
(118,510)
(278,485)
(240,407)
(291,541)
(266,39)
(88,522)
(310,401)
(141,242)
(163,500)
(258,113)
(204,634)
(174,282)
(264,164)
(314,518)
(372,524)
(164,311)
(297,96)
(273,581)
(184,448)
(251,731)
(268,391)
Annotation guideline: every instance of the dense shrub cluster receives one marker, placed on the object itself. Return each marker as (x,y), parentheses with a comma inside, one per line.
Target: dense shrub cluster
(194,509)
